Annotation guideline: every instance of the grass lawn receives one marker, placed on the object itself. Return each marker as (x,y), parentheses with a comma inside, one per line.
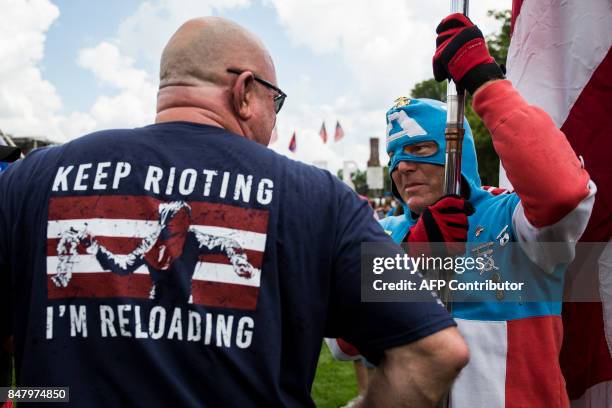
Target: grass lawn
(334,383)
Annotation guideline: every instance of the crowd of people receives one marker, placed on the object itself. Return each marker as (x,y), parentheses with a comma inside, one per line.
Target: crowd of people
(384,206)
(241,280)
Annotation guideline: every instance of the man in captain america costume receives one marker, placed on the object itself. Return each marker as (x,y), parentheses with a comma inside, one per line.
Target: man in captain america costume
(514,345)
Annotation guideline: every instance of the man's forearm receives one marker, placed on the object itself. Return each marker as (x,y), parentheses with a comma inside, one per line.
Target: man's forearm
(531,147)
(411,391)
(420,374)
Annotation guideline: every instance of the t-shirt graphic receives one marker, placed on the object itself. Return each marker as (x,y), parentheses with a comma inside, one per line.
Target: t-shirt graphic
(168,251)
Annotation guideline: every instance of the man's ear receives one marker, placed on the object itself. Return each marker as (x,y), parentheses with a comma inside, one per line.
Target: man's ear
(243,95)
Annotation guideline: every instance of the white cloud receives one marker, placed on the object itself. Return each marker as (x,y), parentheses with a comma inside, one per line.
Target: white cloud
(109,66)
(387,46)
(144,33)
(134,105)
(357,120)
(28,103)
(141,37)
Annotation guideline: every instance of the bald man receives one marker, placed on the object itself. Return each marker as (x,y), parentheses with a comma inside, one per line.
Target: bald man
(105,287)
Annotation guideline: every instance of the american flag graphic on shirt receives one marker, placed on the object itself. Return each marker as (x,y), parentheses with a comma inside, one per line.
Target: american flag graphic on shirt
(117,246)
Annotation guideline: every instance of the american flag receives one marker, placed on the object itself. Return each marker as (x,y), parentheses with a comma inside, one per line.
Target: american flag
(323,132)
(339,134)
(121,223)
(560,60)
(293,143)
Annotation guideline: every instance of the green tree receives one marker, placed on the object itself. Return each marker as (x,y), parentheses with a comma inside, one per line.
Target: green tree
(359,179)
(499,43)
(430,88)
(387,179)
(488,161)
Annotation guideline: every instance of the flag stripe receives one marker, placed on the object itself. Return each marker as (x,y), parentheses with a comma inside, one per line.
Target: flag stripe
(103,285)
(293,143)
(540,362)
(146,209)
(107,285)
(323,133)
(229,216)
(516,10)
(123,246)
(556,46)
(141,229)
(559,59)
(105,227)
(339,133)
(253,257)
(481,382)
(85,264)
(88,264)
(134,207)
(246,239)
(116,245)
(220,273)
(587,128)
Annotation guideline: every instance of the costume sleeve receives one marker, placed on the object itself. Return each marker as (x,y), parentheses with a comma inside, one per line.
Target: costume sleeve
(372,327)
(341,350)
(555,191)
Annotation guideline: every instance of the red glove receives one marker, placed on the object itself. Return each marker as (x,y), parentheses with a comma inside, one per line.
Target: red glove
(462,54)
(444,221)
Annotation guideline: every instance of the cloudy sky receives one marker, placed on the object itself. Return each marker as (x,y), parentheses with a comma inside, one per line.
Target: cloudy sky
(69,67)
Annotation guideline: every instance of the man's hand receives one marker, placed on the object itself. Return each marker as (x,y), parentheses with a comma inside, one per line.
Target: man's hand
(462,54)
(444,221)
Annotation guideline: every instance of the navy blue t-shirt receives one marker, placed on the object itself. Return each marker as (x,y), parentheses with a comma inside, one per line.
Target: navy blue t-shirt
(180,264)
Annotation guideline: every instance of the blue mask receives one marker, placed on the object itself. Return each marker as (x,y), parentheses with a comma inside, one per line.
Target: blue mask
(412,121)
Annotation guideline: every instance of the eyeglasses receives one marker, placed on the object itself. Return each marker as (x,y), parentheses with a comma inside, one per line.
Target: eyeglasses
(279,98)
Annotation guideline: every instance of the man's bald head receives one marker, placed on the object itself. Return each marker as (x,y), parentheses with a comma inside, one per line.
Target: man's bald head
(196,86)
(203,48)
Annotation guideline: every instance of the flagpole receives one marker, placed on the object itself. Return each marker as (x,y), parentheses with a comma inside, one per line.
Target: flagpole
(455,103)
(453,133)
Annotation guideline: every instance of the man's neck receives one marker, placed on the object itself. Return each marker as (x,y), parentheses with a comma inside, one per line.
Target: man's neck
(187,114)
(196,104)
